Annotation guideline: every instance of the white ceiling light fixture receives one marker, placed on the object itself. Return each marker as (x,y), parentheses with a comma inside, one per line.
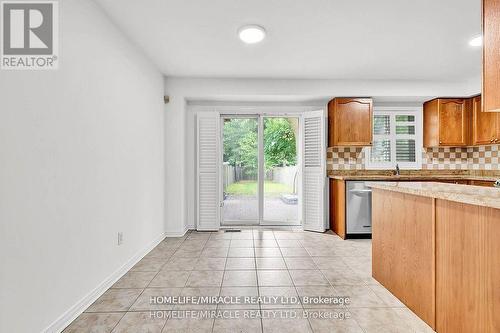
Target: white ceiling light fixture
(476,41)
(252,34)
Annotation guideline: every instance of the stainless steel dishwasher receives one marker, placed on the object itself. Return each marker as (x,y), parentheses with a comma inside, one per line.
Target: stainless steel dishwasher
(359,208)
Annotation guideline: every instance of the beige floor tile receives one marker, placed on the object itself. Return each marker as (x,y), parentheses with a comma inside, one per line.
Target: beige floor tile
(241,252)
(241,243)
(240,263)
(376,320)
(218,243)
(308,278)
(210,264)
(94,323)
(115,300)
(149,265)
(170,279)
(417,325)
(360,296)
(180,264)
(274,278)
(289,243)
(267,252)
(332,321)
(270,263)
(240,279)
(239,293)
(140,322)
(280,298)
(265,243)
(310,296)
(285,320)
(215,252)
(244,234)
(294,252)
(197,295)
(154,299)
(161,252)
(246,323)
(194,323)
(320,251)
(300,263)
(187,253)
(287,235)
(263,234)
(387,297)
(205,279)
(133,279)
(325,263)
(343,276)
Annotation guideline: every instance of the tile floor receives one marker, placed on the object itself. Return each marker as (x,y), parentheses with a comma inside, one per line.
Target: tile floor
(252,263)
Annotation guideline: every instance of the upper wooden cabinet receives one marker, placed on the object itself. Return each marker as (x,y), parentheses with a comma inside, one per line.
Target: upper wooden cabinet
(485,125)
(446,122)
(350,122)
(491,55)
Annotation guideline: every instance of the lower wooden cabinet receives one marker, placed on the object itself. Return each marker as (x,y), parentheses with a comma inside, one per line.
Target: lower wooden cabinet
(337,207)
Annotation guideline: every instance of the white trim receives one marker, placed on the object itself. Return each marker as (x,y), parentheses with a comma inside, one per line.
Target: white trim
(77,309)
(181,233)
(417,111)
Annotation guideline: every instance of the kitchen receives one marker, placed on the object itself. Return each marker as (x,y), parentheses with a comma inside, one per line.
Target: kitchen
(435,223)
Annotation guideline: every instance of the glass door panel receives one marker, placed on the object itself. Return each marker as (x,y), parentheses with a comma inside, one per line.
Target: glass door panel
(281,170)
(240,170)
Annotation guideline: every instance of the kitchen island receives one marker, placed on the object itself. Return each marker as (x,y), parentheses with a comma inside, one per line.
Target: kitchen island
(436,247)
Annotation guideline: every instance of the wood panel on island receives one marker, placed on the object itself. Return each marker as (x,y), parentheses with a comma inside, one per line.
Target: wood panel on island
(440,256)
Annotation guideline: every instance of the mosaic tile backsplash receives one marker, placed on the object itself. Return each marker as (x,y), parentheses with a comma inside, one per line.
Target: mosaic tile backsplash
(463,158)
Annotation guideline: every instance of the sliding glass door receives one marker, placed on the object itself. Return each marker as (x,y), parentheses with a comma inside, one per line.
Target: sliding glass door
(260,170)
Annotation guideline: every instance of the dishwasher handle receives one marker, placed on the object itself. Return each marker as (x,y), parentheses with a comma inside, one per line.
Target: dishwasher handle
(361,192)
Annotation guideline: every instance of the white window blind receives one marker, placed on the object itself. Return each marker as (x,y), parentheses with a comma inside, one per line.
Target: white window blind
(397,140)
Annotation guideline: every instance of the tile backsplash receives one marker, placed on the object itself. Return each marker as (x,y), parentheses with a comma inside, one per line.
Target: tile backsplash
(443,158)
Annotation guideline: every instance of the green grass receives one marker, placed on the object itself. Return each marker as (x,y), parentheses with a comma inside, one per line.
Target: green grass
(249,187)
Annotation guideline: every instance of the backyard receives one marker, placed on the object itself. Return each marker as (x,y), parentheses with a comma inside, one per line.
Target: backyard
(249,187)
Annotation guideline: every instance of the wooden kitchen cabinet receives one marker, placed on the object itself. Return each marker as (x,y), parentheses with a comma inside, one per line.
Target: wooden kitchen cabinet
(485,125)
(350,122)
(337,207)
(446,122)
(491,56)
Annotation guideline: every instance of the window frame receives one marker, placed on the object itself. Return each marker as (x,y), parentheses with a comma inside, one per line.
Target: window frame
(392,112)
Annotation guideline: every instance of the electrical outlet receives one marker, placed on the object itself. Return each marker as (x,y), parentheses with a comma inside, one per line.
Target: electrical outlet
(120,238)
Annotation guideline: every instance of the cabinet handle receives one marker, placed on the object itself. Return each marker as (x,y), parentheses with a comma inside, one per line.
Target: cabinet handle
(496,140)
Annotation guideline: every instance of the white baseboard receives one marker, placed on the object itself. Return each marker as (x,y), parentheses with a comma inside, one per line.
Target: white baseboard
(179,233)
(65,319)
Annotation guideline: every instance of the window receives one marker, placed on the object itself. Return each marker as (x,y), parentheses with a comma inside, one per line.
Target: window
(397,139)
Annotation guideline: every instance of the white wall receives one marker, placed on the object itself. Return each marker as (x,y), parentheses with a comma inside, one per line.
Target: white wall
(293,94)
(81,152)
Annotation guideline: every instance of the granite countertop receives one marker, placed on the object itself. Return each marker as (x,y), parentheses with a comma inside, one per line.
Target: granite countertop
(468,194)
(412,177)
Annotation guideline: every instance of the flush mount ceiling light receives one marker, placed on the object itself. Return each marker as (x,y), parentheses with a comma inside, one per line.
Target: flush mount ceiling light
(252,34)
(476,41)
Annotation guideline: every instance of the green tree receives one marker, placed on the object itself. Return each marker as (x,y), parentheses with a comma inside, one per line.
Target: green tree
(241,144)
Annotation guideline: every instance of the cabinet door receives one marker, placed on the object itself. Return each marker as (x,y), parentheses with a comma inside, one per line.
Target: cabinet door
(453,122)
(491,56)
(352,122)
(484,124)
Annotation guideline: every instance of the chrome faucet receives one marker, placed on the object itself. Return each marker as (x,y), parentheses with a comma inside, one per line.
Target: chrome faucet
(397,172)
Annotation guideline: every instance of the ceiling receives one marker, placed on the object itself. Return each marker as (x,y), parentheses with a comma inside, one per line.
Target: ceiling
(320,39)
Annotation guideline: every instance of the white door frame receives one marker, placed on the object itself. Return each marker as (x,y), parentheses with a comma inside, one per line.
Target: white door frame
(260,178)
